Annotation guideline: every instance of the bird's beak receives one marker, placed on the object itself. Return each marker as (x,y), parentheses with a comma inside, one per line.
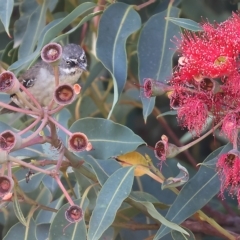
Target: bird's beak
(83,66)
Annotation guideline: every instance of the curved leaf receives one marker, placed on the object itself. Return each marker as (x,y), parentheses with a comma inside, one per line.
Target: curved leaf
(179,236)
(177,181)
(114,191)
(17,209)
(154,213)
(44,216)
(186,23)
(6,8)
(112,36)
(155,58)
(20,232)
(34,27)
(195,194)
(107,138)
(168,113)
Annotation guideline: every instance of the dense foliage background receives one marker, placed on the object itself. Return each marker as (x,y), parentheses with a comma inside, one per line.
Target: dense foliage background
(125,42)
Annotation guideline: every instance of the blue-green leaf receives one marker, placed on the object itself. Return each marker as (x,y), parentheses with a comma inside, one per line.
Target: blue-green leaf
(44,217)
(154,213)
(114,191)
(179,236)
(6,8)
(107,138)
(195,194)
(35,25)
(155,52)
(186,23)
(112,36)
(20,232)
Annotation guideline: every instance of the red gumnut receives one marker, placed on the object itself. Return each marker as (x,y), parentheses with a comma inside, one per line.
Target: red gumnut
(9,83)
(163,149)
(6,185)
(74,214)
(78,142)
(64,94)
(154,88)
(10,140)
(51,53)
(228,167)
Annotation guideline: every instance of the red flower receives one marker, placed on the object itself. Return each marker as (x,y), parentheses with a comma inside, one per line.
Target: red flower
(230,126)
(228,167)
(193,115)
(206,81)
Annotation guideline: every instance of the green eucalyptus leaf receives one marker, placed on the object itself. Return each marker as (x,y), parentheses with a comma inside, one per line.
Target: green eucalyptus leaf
(44,216)
(7,57)
(42,231)
(102,168)
(85,19)
(154,54)
(111,41)
(17,209)
(142,203)
(50,32)
(139,196)
(61,229)
(195,194)
(107,138)
(114,191)
(185,23)
(168,113)
(94,73)
(34,27)
(179,236)
(6,8)
(100,173)
(20,232)
(63,118)
(83,184)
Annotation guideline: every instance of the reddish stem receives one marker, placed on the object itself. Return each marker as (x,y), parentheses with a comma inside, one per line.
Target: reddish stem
(28,165)
(56,177)
(40,128)
(60,126)
(32,125)
(16,109)
(57,109)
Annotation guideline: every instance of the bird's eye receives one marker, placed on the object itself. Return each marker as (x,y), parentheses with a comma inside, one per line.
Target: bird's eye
(68,62)
(83,58)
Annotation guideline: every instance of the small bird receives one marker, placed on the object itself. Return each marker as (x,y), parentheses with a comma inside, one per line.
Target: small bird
(40,80)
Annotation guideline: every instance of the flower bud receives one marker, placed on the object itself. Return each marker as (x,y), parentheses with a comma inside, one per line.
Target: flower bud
(10,140)
(74,214)
(51,53)
(164,150)
(64,94)
(154,88)
(6,185)
(9,83)
(78,142)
